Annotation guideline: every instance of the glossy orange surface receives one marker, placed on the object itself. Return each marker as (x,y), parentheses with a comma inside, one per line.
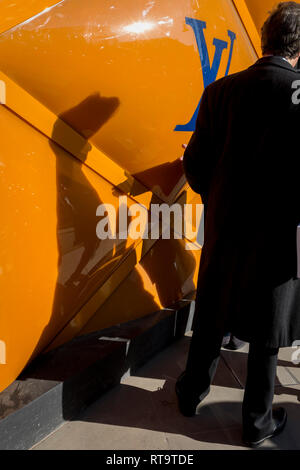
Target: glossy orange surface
(259,10)
(141,57)
(94,92)
(51,259)
(14,12)
(249,23)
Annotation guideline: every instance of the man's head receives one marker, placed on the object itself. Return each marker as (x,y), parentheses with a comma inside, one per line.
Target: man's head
(281,32)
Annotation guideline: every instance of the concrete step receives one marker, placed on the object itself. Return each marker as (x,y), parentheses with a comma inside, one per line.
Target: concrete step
(141,413)
(60,384)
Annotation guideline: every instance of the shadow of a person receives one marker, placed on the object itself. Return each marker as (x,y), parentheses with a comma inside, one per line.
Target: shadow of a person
(77,202)
(179,264)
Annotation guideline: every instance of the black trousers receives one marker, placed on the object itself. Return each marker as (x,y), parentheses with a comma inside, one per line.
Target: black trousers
(259,391)
(202,362)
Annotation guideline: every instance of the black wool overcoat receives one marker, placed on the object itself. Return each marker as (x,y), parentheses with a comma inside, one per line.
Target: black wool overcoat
(243,158)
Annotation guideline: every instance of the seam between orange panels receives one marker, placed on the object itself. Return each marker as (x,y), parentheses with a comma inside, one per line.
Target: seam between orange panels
(42,119)
(30,110)
(99,297)
(249,25)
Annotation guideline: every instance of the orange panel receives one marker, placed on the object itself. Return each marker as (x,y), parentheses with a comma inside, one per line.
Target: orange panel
(18,11)
(127,76)
(145,291)
(141,53)
(259,10)
(51,259)
(249,24)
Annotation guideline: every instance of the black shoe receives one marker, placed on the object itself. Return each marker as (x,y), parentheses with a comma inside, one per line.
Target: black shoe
(279,422)
(188,400)
(226,339)
(234,344)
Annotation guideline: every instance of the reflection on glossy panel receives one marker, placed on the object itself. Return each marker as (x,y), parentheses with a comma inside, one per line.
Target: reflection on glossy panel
(99,99)
(144,53)
(151,285)
(17,11)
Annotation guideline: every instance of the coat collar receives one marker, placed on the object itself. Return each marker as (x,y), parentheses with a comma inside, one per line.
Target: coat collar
(275,61)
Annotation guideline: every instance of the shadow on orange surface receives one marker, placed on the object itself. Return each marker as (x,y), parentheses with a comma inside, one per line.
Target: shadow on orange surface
(84,263)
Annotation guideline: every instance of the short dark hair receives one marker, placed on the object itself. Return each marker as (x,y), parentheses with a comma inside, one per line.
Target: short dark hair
(281,31)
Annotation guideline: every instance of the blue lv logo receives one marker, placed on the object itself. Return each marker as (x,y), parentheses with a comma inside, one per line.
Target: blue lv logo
(209,72)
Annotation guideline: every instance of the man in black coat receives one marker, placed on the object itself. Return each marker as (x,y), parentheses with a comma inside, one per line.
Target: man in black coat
(243,159)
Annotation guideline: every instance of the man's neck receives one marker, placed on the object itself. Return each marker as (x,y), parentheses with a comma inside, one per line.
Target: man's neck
(292,62)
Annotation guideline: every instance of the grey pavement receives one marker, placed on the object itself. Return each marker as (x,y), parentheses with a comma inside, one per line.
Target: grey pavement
(141,413)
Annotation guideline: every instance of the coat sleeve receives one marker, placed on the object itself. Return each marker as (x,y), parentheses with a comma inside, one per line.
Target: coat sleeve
(198,159)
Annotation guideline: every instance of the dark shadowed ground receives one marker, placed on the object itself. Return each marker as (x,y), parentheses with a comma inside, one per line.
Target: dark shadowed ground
(141,413)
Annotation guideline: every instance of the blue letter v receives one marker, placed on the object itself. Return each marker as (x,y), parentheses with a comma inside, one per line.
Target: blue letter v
(209,72)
